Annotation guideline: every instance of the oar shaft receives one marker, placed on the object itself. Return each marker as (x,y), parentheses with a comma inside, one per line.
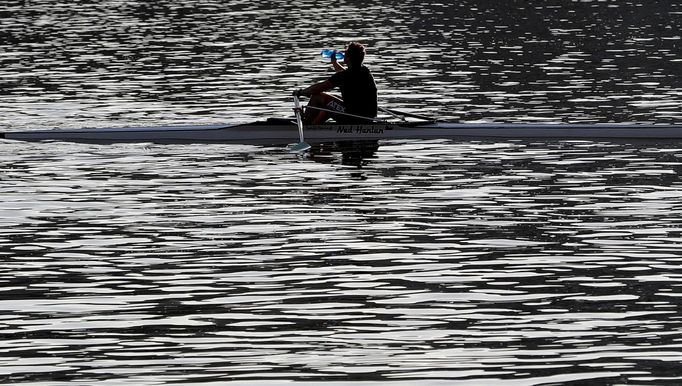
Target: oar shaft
(299,120)
(394,115)
(342,113)
(411,115)
(301,146)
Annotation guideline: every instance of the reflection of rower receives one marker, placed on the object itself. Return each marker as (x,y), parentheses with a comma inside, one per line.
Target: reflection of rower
(353,153)
(358,92)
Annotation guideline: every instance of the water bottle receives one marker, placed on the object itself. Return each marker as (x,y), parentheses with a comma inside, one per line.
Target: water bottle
(327,54)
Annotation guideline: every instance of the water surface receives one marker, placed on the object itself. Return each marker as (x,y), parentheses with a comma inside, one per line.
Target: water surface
(480,262)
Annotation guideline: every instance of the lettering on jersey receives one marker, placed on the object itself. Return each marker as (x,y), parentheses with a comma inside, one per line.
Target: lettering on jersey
(333,105)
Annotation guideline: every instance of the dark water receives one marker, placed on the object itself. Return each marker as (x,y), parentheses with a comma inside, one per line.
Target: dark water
(434,262)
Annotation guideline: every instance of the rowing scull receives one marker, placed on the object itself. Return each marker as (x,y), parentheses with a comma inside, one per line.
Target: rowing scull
(284,131)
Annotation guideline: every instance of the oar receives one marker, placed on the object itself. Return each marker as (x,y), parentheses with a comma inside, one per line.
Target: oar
(411,115)
(302,145)
(393,114)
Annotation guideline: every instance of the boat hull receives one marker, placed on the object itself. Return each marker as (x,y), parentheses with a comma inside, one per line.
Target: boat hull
(284,133)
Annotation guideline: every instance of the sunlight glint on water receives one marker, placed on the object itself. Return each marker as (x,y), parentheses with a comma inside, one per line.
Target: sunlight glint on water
(481,262)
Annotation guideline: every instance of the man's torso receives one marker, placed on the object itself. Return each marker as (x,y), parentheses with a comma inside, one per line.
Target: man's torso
(358,90)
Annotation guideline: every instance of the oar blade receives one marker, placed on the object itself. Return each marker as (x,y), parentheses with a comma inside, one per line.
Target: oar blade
(299,147)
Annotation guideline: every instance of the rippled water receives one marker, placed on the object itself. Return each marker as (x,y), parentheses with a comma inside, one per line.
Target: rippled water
(475,262)
(77,63)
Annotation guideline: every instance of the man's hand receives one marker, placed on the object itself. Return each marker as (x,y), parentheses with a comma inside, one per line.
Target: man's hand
(298,92)
(335,63)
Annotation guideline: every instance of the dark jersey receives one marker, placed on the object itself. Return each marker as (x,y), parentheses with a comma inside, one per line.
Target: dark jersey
(358,90)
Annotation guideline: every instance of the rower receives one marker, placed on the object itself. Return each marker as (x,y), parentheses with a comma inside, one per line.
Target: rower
(358,91)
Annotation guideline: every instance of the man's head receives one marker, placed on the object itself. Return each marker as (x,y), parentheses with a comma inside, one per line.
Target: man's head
(355,54)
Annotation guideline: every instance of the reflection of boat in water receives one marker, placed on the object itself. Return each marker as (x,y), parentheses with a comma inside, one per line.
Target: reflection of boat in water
(284,131)
(351,153)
